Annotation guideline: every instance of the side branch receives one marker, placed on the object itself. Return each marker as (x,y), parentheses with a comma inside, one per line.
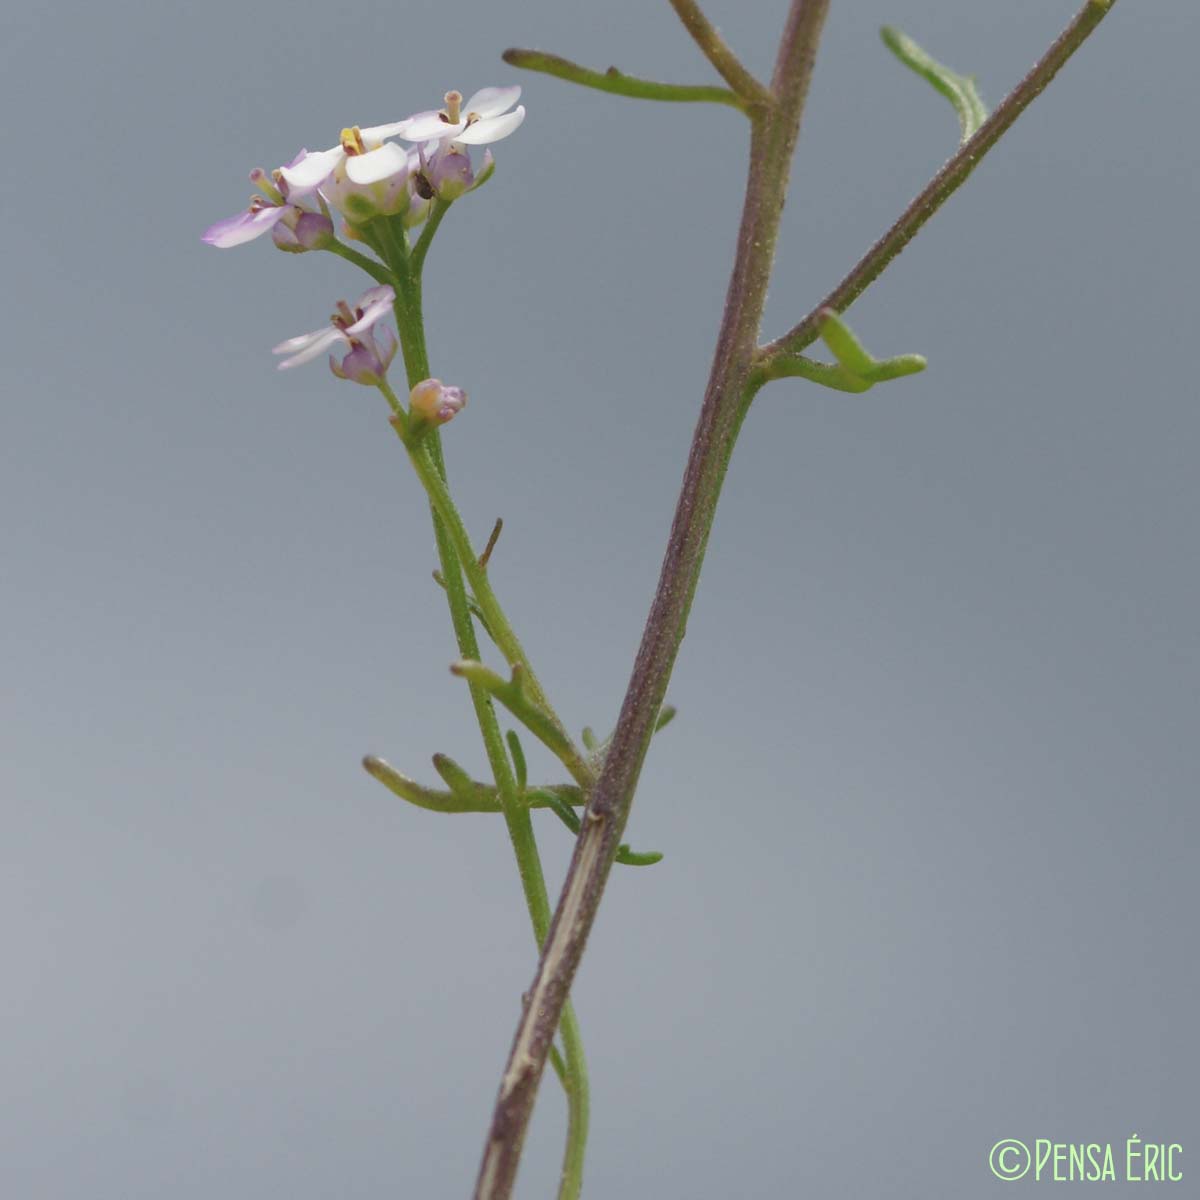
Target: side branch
(618,83)
(945,182)
(717,51)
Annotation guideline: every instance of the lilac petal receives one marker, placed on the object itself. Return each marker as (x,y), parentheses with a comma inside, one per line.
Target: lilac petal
(431,124)
(309,345)
(244,227)
(492,101)
(491,129)
(375,165)
(373,304)
(312,170)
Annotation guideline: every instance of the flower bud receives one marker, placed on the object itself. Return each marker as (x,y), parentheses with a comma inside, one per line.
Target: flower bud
(368,359)
(449,173)
(301,230)
(432,401)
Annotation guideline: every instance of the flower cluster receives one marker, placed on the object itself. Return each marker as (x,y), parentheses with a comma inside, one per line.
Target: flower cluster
(382,190)
(367,174)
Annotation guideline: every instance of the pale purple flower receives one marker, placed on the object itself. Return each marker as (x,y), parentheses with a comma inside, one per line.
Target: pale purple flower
(368,358)
(305,230)
(483,118)
(436,403)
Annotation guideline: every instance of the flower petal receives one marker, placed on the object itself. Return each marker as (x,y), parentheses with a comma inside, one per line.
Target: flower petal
(431,124)
(492,101)
(491,129)
(373,304)
(311,171)
(388,160)
(374,135)
(244,227)
(309,346)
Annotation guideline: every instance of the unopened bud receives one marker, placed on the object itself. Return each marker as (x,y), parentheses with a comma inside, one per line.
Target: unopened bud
(433,401)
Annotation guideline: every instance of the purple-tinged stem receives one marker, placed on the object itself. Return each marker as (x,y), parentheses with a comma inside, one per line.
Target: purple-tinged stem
(775,129)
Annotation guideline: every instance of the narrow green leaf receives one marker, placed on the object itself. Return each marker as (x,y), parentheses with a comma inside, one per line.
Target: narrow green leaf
(513,694)
(631,858)
(457,780)
(960,90)
(560,808)
(846,348)
(473,798)
(518,758)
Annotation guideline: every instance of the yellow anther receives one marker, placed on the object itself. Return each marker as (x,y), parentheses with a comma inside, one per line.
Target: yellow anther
(352,141)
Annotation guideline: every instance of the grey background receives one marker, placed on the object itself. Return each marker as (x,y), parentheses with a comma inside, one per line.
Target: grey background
(929,807)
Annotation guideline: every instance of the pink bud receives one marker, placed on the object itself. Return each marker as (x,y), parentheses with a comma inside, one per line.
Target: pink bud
(433,401)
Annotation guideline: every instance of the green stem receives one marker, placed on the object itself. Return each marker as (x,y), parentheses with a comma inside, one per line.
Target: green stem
(376,271)
(718,52)
(619,84)
(499,627)
(516,814)
(438,210)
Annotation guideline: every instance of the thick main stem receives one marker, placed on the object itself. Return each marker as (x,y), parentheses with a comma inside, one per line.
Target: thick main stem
(775,131)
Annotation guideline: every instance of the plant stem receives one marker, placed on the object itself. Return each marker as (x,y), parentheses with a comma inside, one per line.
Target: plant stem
(501,629)
(377,271)
(718,52)
(946,181)
(775,129)
(410,321)
(618,83)
(438,210)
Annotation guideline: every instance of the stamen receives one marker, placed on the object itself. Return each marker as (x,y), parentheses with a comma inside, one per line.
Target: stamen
(343,318)
(352,141)
(268,186)
(453,101)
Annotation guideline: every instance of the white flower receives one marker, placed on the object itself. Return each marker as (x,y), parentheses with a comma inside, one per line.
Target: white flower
(348,326)
(483,118)
(368,155)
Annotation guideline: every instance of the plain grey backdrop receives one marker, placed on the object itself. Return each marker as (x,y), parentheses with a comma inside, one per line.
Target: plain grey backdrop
(929,806)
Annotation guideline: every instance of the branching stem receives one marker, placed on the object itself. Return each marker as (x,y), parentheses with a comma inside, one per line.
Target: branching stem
(717,51)
(945,182)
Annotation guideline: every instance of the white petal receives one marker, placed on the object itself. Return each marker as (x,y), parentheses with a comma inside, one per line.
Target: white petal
(373,303)
(492,101)
(311,171)
(378,134)
(491,129)
(309,345)
(375,165)
(427,125)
